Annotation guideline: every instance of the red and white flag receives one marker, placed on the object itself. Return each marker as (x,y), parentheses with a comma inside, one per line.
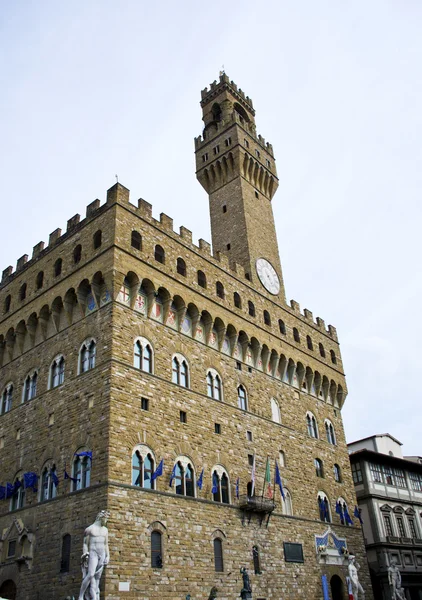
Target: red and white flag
(253,477)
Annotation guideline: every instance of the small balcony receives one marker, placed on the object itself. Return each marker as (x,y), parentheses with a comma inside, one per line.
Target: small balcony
(256,504)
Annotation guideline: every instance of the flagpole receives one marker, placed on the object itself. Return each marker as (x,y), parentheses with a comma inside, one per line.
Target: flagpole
(263,487)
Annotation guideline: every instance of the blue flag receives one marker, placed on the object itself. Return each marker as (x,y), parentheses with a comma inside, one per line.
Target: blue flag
(17,485)
(2,492)
(339,511)
(54,477)
(347,516)
(356,514)
(88,453)
(237,488)
(67,476)
(277,480)
(10,489)
(214,488)
(30,480)
(323,510)
(199,483)
(173,475)
(158,471)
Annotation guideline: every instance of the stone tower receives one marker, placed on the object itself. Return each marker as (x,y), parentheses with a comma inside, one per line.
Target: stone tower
(237,169)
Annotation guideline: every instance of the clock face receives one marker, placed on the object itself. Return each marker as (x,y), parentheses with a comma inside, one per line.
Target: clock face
(268,276)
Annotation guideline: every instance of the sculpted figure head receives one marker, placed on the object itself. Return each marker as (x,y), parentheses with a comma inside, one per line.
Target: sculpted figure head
(103,517)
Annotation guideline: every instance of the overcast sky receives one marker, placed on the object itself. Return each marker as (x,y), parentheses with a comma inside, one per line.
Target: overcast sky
(94,88)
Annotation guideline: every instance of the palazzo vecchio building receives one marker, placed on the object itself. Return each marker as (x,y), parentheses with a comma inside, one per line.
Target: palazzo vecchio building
(128,351)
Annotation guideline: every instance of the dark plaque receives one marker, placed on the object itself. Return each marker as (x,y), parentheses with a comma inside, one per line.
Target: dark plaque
(293,552)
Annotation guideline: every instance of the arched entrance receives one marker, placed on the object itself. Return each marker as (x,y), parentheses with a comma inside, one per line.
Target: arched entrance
(337,588)
(8,590)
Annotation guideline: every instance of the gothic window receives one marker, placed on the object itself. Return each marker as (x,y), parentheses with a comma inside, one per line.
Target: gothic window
(97,239)
(309,342)
(319,470)
(6,399)
(296,335)
(242,401)
(214,386)
(329,430)
(136,240)
(180,371)
(324,507)
(77,254)
(7,302)
(219,288)
(333,357)
(58,267)
(30,386)
(287,506)
(267,318)
(275,411)
(18,498)
(202,280)
(184,477)
(81,470)
(22,292)
(156,550)
(218,555)
(57,371)
(142,355)
(237,300)
(282,327)
(321,350)
(159,254)
(251,308)
(337,473)
(220,485)
(311,425)
(87,355)
(181,266)
(65,557)
(143,466)
(48,483)
(39,282)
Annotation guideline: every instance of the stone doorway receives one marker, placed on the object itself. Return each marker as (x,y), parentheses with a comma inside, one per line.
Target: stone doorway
(337,588)
(8,590)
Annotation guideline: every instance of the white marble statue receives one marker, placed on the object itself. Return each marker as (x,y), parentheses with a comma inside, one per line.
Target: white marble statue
(354,578)
(95,556)
(394,580)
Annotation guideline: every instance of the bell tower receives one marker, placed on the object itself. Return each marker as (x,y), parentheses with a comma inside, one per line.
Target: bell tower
(237,169)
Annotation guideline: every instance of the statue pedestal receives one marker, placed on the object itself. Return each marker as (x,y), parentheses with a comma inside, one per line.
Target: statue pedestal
(246,595)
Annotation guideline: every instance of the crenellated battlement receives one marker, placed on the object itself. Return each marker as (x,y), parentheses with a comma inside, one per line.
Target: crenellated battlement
(216,87)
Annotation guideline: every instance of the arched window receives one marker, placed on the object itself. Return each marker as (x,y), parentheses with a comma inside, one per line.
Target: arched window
(87,355)
(329,430)
(181,266)
(287,506)
(237,300)
(159,254)
(183,477)
(49,483)
(333,357)
(319,470)
(309,342)
(218,555)
(22,292)
(180,371)
(256,560)
(337,473)
(242,400)
(220,485)
(214,386)
(6,399)
(136,240)
(65,558)
(219,288)
(311,425)
(143,466)
(18,494)
(39,282)
(156,550)
(343,513)
(324,507)
(97,239)
(282,327)
(58,267)
(251,308)
(321,350)
(202,280)
(30,386)
(81,470)
(275,411)
(77,254)
(57,371)
(143,355)
(296,335)
(267,318)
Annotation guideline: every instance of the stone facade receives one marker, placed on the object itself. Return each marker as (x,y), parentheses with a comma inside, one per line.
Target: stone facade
(121,286)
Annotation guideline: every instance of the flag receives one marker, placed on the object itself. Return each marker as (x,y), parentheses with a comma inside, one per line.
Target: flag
(356,513)
(349,588)
(277,480)
(214,489)
(67,476)
(88,453)
(253,476)
(2,492)
(237,488)
(200,480)
(173,475)
(54,477)
(9,490)
(339,511)
(30,480)
(323,509)
(347,517)
(158,471)
(267,482)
